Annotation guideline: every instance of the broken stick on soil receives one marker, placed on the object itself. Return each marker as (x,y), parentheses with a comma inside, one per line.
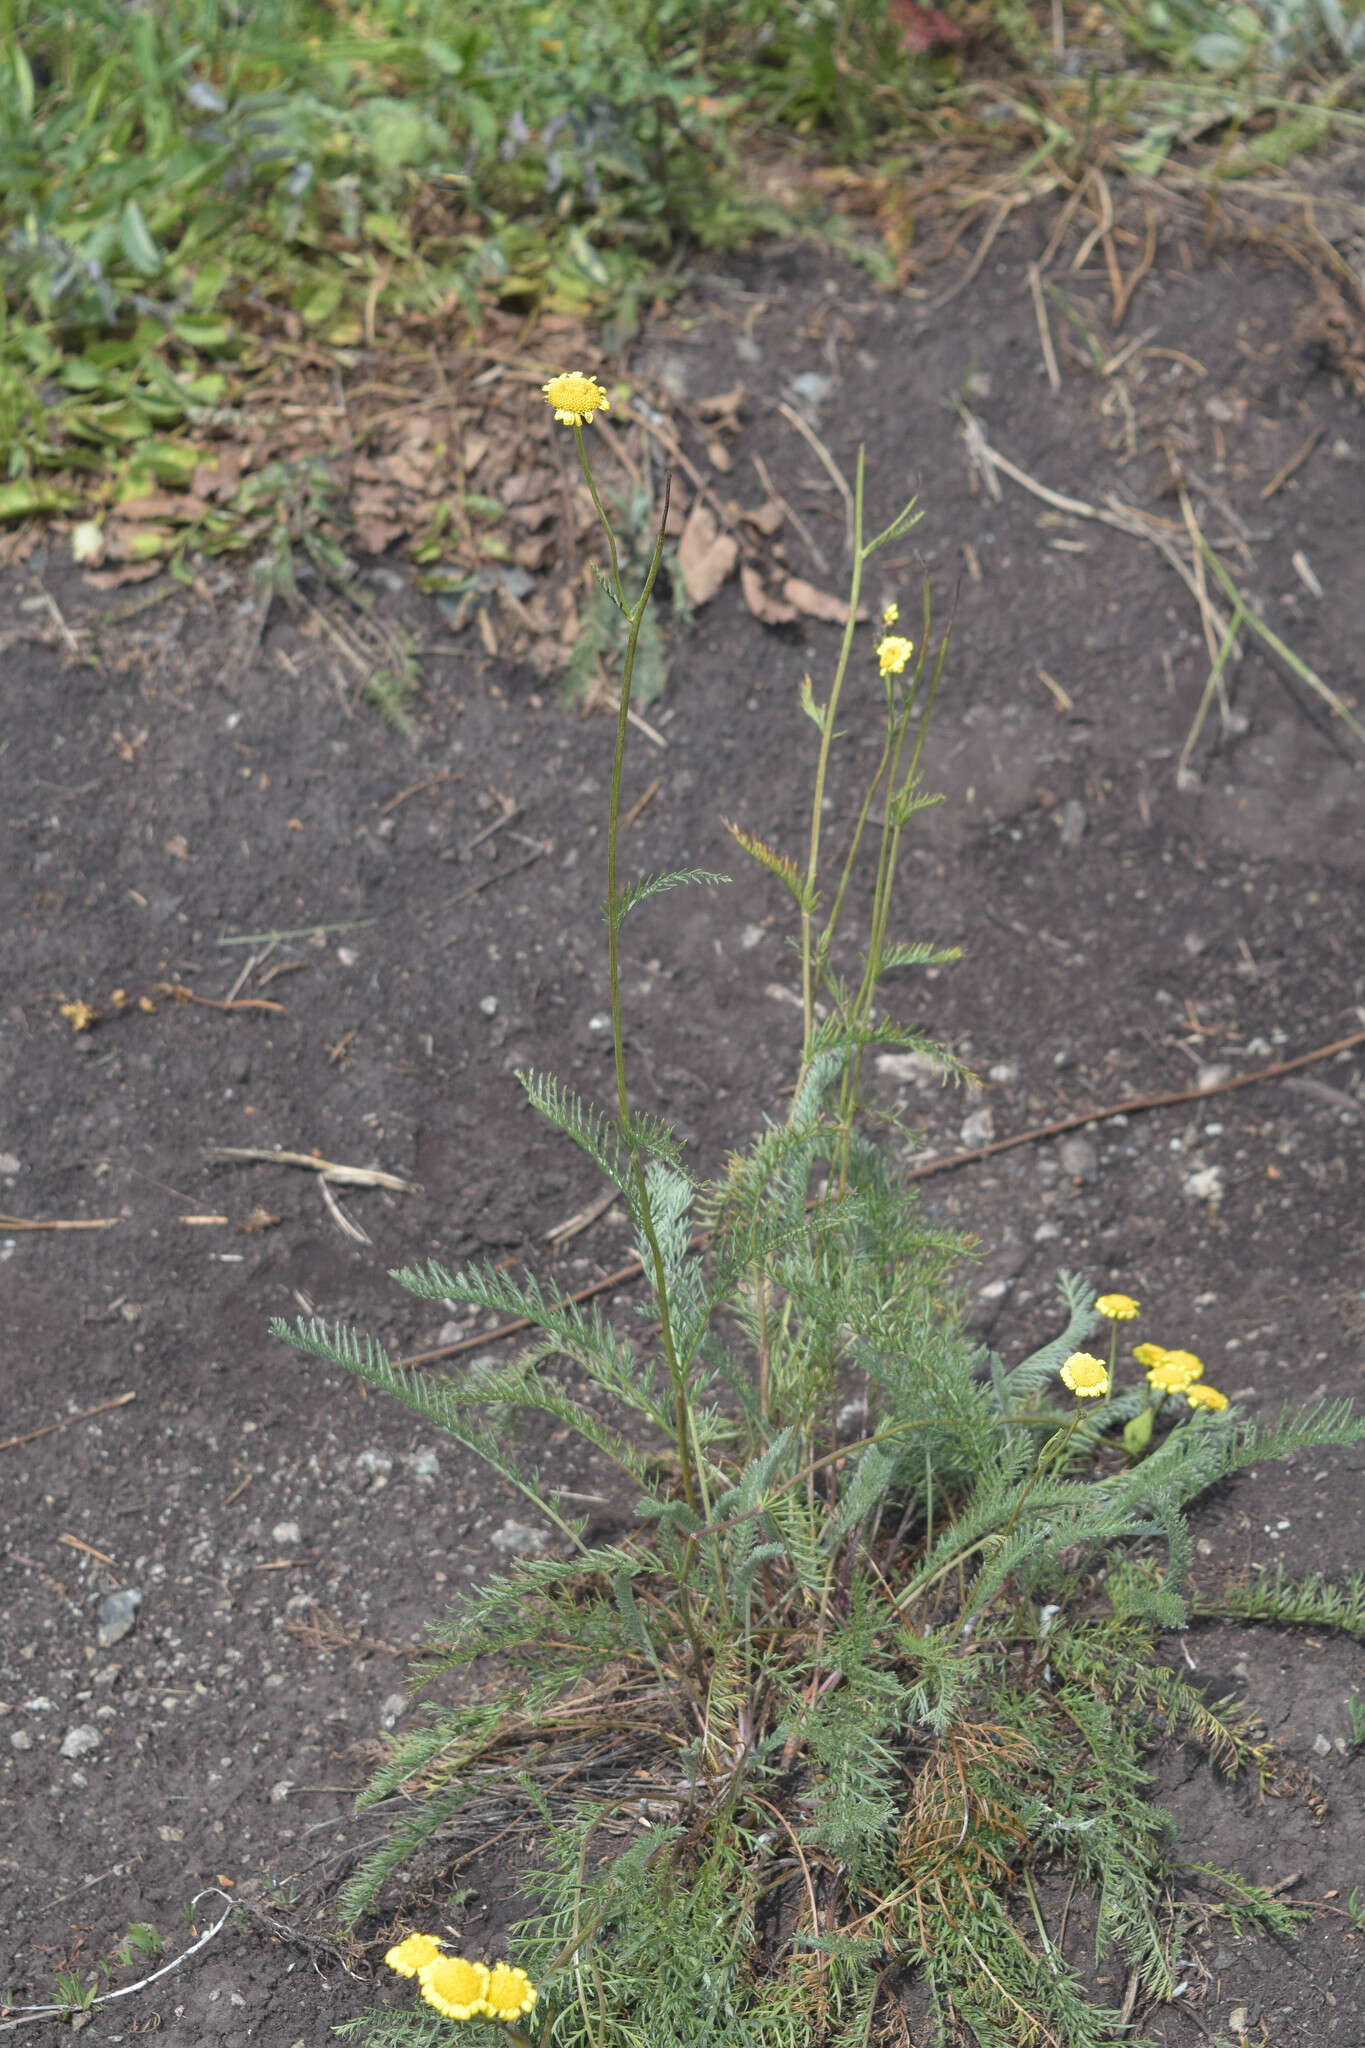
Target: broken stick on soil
(31,1436)
(59,1223)
(351,1176)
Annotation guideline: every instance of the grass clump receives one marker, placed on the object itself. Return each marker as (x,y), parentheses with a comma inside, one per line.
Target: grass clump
(879,1653)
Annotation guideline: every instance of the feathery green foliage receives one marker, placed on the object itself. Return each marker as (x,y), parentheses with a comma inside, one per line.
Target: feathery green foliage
(863,1665)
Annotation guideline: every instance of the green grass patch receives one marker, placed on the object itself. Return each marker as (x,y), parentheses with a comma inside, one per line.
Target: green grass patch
(195,194)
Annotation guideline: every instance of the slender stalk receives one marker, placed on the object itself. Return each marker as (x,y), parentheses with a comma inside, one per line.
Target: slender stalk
(606,523)
(821,768)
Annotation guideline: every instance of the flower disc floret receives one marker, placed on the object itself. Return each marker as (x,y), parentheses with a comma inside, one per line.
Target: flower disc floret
(1206,1397)
(456,1987)
(1118,1308)
(413,1954)
(510,1992)
(576,397)
(893,653)
(1184,1366)
(1086,1375)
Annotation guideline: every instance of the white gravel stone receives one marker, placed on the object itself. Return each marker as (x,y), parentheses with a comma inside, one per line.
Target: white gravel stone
(517,1536)
(912,1069)
(80,1741)
(977,1129)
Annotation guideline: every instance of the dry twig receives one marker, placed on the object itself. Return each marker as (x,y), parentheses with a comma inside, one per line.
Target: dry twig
(31,1435)
(349,1176)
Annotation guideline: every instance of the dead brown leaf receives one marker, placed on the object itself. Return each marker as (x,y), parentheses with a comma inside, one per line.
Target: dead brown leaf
(817,604)
(706,556)
(724,406)
(164,505)
(768,518)
(114,579)
(259,1219)
(768,609)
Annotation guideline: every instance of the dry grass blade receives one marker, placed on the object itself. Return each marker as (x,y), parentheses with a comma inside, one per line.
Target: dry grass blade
(841,483)
(58,1223)
(1287,655)
(31,1436)
(350,1176)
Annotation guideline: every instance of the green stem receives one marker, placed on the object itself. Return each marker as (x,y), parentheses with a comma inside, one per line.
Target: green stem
(688,1460)
(821,769)
(606,523)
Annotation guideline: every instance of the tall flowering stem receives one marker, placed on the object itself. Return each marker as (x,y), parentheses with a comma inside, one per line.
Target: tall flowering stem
(690,1465)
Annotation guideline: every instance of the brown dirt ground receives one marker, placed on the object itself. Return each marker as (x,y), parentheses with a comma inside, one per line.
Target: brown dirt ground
(1120,934)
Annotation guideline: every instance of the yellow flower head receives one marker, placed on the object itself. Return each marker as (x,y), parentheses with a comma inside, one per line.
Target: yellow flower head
(1206,1397)
(576,397)
(891,614)
(1120,1308)
(456,1987)
(1085,1375)
(893,653)
(510,1992)
(410,1955)
(1149,1354)
(1174,1371)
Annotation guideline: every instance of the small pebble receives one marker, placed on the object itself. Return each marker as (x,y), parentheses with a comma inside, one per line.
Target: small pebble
(423,1465)
(994,1290)
(517,1536)
(9,1165)
(913,1068)
(287,1535)
(1045,1232)
(377,1463)
(977,1129)
(1079,1156)
(1212,1076)
(489,1005)
(280,1791)
(1002,1076)
(1071,821)
(118,1616)
(1206,1185)
(79,1742)
(21,1739)
(397,1703)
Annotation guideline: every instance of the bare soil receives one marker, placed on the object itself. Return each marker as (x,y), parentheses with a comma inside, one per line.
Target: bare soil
(172,783)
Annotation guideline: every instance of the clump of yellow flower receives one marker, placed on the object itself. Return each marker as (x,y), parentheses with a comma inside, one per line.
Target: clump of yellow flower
(411,1955)
(1119,1308)
(1206,1397)
(459,1988)
(893,653)
(1086,1375)
(456,1987)
(576,397)
(1174,1371)
(510,1992)
(891,613)
(1149,1354)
